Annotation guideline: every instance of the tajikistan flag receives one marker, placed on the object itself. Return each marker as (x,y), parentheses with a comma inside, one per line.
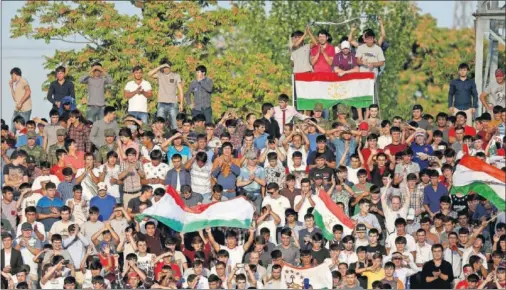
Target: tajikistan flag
(327,214)
(319,277)
(353,89)
(473,175)
(171,211)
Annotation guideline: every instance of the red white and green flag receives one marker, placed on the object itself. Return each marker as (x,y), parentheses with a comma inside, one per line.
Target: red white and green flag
(473,175)
(171,211)
(353,89)
(327,214)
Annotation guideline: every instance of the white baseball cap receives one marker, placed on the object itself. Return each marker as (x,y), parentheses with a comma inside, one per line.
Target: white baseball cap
(345,44)
(102,186)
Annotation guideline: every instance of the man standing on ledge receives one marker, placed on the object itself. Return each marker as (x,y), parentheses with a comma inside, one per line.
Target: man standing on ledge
(60,88)
(463,95)
(201,88)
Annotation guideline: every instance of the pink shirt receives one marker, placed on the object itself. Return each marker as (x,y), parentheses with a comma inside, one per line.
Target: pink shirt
(76,162)
(290,112)
(321,64)
(133,145)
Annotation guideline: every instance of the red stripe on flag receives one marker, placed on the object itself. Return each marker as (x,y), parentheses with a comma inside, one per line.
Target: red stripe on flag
(332,77)
(335,210)
(477,164)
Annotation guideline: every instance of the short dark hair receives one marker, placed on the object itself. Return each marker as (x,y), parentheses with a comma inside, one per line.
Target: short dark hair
(136,68)
(60,69)
(109,109)
(201,68)
(463,65)
(16,71)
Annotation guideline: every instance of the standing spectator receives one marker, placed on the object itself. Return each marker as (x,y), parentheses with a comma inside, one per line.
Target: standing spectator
(79,131)
(137,92)
(300,51)
(107,122)
(49,206)
(60,88)
(11,258)
(271,125)
(178,175)
(21,94)
(345,61)
(437,273)
(50,132)
(495,92)
(170,92)
(433,193)
(322,54)
(201,88)
(131,175)
(96,79)
(369,55)
(9,210)
(104,202)
(463,95)
(284,114)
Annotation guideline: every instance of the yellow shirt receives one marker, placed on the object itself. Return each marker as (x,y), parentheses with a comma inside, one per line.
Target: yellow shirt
(373,276)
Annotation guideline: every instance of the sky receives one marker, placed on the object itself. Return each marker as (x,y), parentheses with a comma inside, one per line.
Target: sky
(28,54)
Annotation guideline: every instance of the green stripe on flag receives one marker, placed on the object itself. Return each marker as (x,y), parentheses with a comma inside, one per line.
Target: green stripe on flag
(358,102)
(318,219)
(197,225)
(482,189)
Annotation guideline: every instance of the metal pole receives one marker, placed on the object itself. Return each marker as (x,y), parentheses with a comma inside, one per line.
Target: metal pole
(478,77)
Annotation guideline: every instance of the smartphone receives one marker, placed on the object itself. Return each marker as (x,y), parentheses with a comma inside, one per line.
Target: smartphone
(306,283)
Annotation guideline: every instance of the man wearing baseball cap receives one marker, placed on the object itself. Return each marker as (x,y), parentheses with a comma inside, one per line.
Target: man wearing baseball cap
(32,149)
(345,61)
(495,92)
(104,202)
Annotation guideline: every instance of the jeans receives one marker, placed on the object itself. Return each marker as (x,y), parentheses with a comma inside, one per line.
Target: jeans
(94,113)
(26,115)
(207,112)
(168,111)
(140,115)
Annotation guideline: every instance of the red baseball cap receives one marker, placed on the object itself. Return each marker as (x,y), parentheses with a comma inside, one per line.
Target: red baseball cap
(364,126)
(499,73)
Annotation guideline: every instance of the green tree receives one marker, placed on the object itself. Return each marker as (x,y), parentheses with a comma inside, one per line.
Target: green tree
(187,32)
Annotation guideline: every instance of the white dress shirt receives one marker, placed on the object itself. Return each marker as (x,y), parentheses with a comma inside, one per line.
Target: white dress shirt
(290,112)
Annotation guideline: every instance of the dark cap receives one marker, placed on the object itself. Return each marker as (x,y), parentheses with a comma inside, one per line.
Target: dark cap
(418,107)
(109,133)
(361,228)
(61,132)
(318,175)
(31,135)
(26,227)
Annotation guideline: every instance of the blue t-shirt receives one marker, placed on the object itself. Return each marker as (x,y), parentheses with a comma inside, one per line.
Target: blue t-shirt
(312,141)
(185,154)
(105,206)
(252,187)
(427,149)
(44,207)
(260,141)
(431,197)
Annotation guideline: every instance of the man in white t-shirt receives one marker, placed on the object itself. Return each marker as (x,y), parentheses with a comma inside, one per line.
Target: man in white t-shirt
(61,226)
(369,55)
(279,204)
(27,199)
(137,92)
(156,171)
(304,201)
(38,230)
(45,177)
(235,251)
